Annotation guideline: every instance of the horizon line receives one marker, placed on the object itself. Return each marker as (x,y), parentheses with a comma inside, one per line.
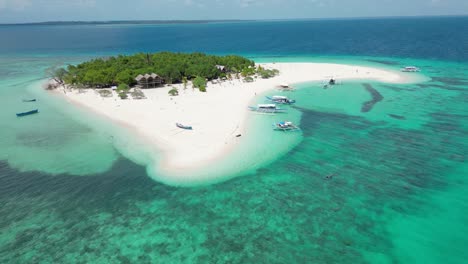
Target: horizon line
(201,21)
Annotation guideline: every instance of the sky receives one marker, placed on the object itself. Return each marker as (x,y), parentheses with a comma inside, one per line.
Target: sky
(24,11)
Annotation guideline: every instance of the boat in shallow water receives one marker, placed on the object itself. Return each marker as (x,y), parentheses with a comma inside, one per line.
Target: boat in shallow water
(285,126)
(29,100)
(35,111)
(266,108)
(410,69)
(179,125)
(280,99)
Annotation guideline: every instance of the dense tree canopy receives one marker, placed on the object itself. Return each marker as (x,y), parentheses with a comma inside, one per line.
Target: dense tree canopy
(172,67)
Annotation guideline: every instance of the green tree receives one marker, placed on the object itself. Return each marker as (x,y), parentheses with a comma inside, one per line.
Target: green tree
(200,83)
(172,67)
(125,77)
(60,74)
(123,88)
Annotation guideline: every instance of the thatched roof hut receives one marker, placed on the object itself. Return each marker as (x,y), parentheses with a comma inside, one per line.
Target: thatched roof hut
(139,77)
(149,80)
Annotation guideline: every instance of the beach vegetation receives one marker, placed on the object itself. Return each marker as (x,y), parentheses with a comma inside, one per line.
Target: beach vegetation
(248,79)
(248,71)
(137,94)
(171,67)
(60,73)
(105,93)
(56,73)
(200,83)
(173,92)
(123,95)
(123,88)
(266,73)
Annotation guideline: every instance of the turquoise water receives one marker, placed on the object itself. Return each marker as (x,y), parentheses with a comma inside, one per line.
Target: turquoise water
(383,186)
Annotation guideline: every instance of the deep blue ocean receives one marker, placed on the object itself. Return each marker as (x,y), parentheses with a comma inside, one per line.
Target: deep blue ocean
(385,186)
(443,38)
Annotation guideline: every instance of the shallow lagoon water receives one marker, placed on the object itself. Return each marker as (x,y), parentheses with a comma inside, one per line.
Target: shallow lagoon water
(383,186)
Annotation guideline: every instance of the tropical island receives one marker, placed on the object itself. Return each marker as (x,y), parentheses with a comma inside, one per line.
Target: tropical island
(209,93)
(152,70)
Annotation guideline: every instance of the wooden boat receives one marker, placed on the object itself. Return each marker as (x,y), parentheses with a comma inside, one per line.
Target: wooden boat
(35,111)
(179,125)
(410,69)
(280,99)
(29,100)
(266,108)
(285,126)
(285,87)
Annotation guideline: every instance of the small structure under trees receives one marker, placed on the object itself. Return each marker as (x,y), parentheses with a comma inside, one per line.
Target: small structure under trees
(221,68)
(149,80)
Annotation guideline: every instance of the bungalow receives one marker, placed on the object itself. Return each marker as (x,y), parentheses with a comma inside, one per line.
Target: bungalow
(149,80)
(222,68)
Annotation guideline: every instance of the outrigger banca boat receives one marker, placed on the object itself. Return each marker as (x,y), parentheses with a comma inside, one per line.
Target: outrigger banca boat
(410,69)
(285,126)
(266,108)
(280,99)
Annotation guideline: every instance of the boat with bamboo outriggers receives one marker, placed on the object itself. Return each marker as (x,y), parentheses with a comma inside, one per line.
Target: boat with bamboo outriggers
(286,126)
(279,99)
(410,69)
(267,108)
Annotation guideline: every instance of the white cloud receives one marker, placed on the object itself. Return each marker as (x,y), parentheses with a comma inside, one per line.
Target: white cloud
(16,5)
(85,2)
(247,3)
(19,5)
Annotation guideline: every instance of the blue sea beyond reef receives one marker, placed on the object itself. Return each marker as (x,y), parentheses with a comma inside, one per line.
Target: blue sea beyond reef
(384,186)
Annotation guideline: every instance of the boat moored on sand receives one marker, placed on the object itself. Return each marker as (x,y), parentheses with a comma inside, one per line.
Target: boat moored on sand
(266,108)
(285,126)
(179,125)
(280,99)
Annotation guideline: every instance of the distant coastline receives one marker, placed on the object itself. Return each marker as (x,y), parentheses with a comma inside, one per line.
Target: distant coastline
(123,22)
(211,21)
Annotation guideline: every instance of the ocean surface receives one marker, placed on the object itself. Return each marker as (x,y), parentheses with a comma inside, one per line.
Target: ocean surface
(365,181)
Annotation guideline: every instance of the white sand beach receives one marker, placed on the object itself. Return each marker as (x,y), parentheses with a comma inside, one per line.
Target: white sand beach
(217,116)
